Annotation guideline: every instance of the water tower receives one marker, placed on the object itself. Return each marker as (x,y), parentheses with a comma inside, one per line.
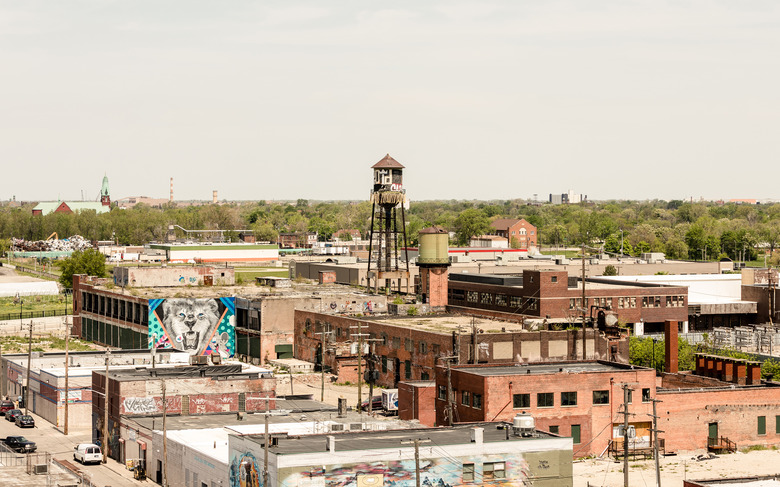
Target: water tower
(433,262)
(387,227)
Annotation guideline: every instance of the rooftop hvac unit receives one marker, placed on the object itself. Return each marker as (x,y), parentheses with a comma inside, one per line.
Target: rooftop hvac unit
(523,425)
(41,469)
(199,360)
(216,358)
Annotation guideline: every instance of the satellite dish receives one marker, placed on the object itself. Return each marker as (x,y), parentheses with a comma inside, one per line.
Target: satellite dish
(611,320)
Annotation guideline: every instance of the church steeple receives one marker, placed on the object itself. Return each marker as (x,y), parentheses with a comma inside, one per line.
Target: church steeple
(105,198)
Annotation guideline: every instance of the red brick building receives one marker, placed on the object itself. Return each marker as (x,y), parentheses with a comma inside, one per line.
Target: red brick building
(554,295)
(577,399)
(409,348)
(520,232)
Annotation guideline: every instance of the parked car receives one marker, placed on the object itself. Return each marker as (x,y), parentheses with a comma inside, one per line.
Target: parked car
(6,406)
(20,444)
(12,414)
(376,404)
(25,421)
(87,453)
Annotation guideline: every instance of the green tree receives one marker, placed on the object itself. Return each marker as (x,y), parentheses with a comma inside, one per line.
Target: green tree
(89,262)
(610,270)
(470,223)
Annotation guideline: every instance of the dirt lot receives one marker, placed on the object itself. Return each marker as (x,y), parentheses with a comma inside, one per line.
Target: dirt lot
(674,469)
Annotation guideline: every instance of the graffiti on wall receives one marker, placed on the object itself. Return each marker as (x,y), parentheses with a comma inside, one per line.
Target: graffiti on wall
(503,471)
(244,471)
(198,326)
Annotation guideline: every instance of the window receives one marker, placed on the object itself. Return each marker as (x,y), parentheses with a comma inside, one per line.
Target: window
(568,398)
(423,348)
(575,433)
(630,396)
(554,429)
(384,364)
(468,472)
(384,339)
(554,279)
(545,400)
(443,393)
(307,326)
(600,397)
(476,401)
(465,399)
(425,376)
(472,296)
(500,299)
(495,470)
(435,349)
(646,394)
(408,345)
(396,343)
(761,425)
(520,401)
(645,301)
(408,369)
(777,424)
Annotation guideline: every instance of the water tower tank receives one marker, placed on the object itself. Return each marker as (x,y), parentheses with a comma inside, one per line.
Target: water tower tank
(523,424)
(434,243)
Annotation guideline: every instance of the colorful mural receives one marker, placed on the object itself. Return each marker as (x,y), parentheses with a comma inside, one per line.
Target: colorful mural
(197,326)
(440,472)
(244,471)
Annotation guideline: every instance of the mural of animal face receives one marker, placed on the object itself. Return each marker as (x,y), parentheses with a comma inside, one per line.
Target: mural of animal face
(190,322)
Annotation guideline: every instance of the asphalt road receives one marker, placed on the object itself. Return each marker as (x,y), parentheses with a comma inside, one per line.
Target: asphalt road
(51,439)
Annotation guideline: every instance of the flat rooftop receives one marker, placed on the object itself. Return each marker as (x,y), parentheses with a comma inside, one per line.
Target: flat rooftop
(391,440)
(447,323)
(248,291)
(549,368)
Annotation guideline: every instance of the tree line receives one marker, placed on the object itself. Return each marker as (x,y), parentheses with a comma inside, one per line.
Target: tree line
(680,229)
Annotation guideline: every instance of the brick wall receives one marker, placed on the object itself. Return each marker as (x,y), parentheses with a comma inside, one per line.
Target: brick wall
(595,420)
(686,415)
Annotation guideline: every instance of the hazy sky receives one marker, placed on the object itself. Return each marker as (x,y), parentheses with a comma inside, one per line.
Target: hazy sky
(479,100)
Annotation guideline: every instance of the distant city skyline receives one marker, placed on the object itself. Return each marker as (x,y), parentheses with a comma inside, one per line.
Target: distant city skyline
(494,100)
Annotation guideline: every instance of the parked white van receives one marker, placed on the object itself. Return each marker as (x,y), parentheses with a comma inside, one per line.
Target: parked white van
(87,453)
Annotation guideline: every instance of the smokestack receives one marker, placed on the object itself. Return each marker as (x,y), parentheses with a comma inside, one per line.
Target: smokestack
(214,196)
(670,342)
(171,200)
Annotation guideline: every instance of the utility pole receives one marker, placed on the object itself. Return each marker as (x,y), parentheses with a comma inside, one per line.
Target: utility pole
(29,360)
(104,445)
(67,364)
(416,442)
(450,416)
(165,435)
(325,336)
(584,303)
(626,391)
(265,452)
(359,336)
(474,353)
(655,432)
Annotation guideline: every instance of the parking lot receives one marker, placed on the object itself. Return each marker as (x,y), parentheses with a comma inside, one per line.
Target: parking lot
(14,467)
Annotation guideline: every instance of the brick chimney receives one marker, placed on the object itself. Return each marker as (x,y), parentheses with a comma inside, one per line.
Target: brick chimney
(670,342)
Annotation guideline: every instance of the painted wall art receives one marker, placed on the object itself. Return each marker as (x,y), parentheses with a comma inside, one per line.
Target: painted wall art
(199,326)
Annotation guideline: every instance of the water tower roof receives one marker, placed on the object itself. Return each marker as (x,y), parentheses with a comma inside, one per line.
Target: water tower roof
(387,162)
(433,229)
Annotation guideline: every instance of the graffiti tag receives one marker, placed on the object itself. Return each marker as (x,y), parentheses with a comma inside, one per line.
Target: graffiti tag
(140,405)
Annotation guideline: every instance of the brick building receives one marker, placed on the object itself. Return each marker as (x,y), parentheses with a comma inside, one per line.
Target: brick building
(576,399)
(119,317)
(189,391)
(554,295)
(409,348)
(518,233)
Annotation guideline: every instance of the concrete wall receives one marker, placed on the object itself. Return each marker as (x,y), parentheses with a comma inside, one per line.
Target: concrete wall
(173,276)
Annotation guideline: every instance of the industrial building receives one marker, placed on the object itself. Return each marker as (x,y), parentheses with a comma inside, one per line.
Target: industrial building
(194,391)
(410,347)
(48,377)
(218,252)
(198,448)
(478,454)
(258,320)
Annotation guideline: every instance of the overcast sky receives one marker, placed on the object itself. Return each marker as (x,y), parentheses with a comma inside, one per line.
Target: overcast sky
(479,100)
